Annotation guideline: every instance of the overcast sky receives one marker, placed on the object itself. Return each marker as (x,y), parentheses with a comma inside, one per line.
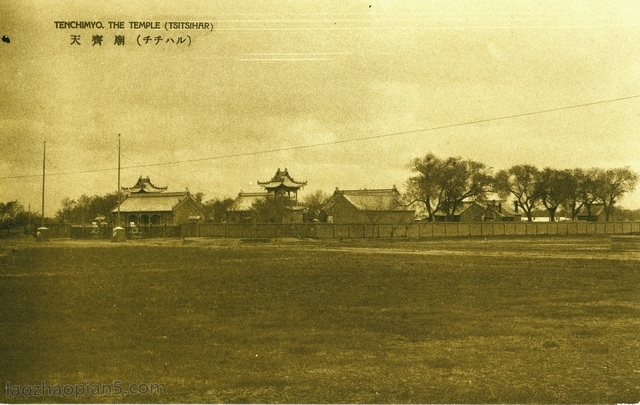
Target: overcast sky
(357,79)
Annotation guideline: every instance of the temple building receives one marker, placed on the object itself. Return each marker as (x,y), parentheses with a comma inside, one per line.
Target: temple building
(377,206)
(147,204)
(282,183)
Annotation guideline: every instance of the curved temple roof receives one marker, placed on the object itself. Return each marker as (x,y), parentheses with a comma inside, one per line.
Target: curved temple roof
(282,179)
(144,185)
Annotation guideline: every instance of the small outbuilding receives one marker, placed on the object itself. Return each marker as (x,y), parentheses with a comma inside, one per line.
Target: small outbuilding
(475,211)
(594,212)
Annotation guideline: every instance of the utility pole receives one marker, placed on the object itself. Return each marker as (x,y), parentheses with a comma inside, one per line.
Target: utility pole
(44,157)
(118,221)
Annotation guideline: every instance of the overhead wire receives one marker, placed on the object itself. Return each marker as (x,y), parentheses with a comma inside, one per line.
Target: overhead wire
(343,141)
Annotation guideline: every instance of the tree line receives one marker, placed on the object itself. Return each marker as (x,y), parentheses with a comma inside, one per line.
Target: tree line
(438,185)
(442,185)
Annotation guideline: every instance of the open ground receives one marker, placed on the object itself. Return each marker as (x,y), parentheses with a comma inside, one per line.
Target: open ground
(509,320)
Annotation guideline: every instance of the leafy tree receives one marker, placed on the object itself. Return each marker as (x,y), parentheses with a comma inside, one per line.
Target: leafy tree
(524,183)
(199,197)
(612,185)
(217,208)
(10,213)
(622,214)
(272,209)
(314,204)
(85,209)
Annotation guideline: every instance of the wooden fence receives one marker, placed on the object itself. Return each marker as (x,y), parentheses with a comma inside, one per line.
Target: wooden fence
(340,231)
(414,230)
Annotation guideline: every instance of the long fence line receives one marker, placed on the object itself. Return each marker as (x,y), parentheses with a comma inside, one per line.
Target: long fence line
(339,231)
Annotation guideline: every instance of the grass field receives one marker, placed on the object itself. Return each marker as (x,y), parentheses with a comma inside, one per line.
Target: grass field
(523,320)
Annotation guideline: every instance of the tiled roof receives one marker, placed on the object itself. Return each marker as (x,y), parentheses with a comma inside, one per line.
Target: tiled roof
(596,209)
(503,208)
(465,205)
(244,201)
(156,202)
(373,200)
(500,208)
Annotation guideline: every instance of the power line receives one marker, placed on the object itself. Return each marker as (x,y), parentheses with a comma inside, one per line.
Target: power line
(363,138)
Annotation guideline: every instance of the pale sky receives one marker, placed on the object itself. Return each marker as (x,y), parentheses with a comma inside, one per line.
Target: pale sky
(231,105)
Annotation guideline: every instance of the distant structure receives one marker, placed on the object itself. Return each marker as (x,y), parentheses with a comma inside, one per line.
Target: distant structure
(376,206)
(593,213)
(282,183)
(475,211)
(147,204)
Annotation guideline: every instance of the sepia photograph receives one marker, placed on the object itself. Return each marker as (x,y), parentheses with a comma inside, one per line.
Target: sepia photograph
(305,201)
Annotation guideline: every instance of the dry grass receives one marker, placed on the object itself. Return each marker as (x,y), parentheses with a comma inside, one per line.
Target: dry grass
(532,320)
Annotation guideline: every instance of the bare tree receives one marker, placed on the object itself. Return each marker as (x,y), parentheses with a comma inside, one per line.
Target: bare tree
(555,188)
(612,185)
(445,184)
(523,182)
(463,180)
(573,192)
(425,186)
(591,187)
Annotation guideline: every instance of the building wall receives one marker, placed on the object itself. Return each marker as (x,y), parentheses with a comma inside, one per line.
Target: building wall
(186,209)
(344,212)
(144,218)
(472,214)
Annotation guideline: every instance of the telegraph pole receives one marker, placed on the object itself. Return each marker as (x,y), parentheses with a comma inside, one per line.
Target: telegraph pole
(44,157)
(118,222)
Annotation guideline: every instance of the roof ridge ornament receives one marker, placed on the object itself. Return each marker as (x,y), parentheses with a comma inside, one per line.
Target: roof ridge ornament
(144,185)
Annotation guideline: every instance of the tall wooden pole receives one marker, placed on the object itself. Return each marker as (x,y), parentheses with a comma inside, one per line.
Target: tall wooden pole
(44,157)
(118,222)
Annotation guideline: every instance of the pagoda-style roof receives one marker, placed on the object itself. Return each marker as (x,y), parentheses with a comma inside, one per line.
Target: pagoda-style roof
(152,202)
(282,180)
(144,185)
